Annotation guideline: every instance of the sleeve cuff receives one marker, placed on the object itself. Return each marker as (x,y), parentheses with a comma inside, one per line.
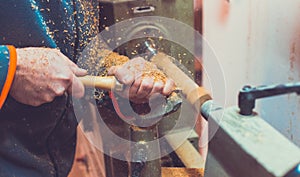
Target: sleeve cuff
(8,65)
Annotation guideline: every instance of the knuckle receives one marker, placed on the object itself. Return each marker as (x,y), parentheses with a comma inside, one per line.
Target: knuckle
(147,86)
(59,91)
(158,87)
(48,98)
(57,88)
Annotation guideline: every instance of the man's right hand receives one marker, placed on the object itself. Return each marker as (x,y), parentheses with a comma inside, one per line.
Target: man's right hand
(43,74)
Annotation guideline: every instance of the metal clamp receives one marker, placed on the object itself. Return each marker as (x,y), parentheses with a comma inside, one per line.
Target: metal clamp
(248,95)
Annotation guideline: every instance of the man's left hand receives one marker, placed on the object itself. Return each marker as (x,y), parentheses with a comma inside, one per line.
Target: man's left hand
(140,89)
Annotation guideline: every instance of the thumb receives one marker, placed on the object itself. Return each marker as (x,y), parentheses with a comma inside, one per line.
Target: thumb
(112,70)
(78,71)
(76,88)
(74,68)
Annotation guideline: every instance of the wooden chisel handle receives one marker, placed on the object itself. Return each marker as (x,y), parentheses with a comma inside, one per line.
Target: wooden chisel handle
(104,83)
(195,95)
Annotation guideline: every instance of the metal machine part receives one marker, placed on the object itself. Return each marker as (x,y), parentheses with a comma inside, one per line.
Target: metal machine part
(242,145)
(247,146)
(114,11)
(140,166)
(248,95)
(294,172)
(141,133)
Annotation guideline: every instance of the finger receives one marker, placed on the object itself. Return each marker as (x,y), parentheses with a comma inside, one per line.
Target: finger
(112,70)
(157,88)
(169,87)
(76,88)
(69,62)
(125,76)
(74,68)
(134,88)
(79,71)
(145,87)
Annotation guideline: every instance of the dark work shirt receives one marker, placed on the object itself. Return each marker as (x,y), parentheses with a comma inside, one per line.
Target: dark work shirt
(40,141)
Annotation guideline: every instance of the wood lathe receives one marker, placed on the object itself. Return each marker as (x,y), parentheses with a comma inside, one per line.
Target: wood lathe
(242,145)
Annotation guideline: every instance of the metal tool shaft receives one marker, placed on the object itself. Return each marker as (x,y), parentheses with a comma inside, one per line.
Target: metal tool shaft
(142,150)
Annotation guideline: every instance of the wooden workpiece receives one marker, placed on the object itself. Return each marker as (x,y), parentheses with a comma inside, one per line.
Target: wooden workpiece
(182,172)
(89,161)
(186,152)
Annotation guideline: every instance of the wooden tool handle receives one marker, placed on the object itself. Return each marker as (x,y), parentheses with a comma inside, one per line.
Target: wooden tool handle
(104,83)
(195,95)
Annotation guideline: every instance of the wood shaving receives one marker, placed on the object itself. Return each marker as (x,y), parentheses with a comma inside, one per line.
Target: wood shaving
(149,70)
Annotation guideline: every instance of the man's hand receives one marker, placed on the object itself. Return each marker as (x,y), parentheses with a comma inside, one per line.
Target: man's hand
(139,88)
(43,74)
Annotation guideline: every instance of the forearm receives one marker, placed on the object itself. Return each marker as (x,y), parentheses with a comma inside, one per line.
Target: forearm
(8,62)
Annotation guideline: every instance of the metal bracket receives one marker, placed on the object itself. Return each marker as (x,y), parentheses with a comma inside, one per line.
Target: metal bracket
(248,95)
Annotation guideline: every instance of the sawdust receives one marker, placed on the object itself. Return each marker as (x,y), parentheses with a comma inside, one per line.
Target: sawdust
(114,59)
(149,69)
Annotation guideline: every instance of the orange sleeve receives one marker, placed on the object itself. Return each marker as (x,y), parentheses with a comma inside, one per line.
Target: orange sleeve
(10,75)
